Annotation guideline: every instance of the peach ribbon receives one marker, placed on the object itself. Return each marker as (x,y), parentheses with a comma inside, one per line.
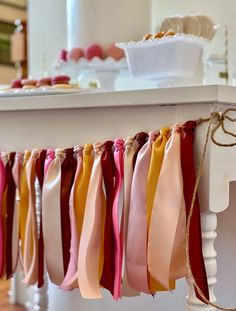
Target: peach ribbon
(24,200)
(89,260)
(130,149)
(51,217)
(158,149)
(30,259)
(117,215)
(137,226)
(16,173)
(80,195)
(72,267)
(166,240)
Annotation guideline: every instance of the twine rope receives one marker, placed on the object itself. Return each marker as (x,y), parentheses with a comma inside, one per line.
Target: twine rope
(218,120)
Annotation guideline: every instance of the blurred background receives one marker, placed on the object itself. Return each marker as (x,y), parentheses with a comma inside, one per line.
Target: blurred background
(33,32)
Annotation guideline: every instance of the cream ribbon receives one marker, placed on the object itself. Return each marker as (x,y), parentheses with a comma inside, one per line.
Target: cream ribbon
(166,240)
(89,265)
(30,260)
(51,217)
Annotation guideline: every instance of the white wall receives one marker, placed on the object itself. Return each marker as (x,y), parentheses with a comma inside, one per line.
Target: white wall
(47,34)
(223,12)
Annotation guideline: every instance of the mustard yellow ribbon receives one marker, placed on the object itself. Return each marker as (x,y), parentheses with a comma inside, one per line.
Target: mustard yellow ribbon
(90,261)
(157,155)
(30,260)
(24,200)
(166,240)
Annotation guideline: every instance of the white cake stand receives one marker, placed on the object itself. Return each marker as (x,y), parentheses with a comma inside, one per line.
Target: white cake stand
(104,72)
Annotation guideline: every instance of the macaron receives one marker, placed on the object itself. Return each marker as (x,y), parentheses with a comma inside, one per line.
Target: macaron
(63,55)
(115,52)
(29,83)
(16,84)
(60,79)
(93,50)
(75,54)
(62,86)
(44,82)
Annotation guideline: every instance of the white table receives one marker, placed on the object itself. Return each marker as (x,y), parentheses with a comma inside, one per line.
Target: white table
(66,120)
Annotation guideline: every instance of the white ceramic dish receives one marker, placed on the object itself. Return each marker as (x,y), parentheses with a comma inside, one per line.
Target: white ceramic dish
(170,57)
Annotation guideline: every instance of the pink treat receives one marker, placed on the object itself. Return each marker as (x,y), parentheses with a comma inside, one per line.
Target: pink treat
(75,54)
(63,55)
(60,80)
(44,82)
(16,84)
(93,50)
(115,52)
(29,82)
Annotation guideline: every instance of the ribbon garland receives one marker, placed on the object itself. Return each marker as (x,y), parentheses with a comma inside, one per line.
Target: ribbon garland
(73,198)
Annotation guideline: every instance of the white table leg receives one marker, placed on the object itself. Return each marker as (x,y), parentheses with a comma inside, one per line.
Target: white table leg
(209,225)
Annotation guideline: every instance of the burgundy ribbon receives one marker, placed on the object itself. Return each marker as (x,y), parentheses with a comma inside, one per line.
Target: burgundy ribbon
(141,139)
(10,196)
(39,167)
(108,170)
(68,169)
(195,242)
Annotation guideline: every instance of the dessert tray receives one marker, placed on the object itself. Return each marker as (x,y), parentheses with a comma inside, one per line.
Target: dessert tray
(43,91)
(169,57)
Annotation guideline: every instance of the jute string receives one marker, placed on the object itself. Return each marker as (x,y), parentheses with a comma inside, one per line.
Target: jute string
(215,122)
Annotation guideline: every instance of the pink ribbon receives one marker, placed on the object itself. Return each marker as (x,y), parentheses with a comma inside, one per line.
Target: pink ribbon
(92,232)
(49,157)
(117,214)
(166,241)
(73,264)
(130,149)
(51,217)
(137,226)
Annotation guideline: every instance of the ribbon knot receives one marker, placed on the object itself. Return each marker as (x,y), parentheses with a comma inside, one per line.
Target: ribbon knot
(119,144)
(152,136)
(177,128)
(5,156)
(50,154)
(60,153)
(35,153)
(165,131)
(78,151)
(88,148)
(108,145)
(141,138)
(69,152)
(98,147)
(129,141)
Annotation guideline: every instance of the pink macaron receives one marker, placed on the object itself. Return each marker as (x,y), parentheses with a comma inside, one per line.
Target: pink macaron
(93,50)
(29,82)
(44,82)
(60,79)
(115,52)
(16,84)
(75,54)
(63,55)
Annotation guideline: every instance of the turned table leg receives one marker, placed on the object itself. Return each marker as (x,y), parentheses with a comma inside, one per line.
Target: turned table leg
(209,225)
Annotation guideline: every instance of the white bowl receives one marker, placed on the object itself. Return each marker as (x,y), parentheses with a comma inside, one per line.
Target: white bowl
(169,57)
